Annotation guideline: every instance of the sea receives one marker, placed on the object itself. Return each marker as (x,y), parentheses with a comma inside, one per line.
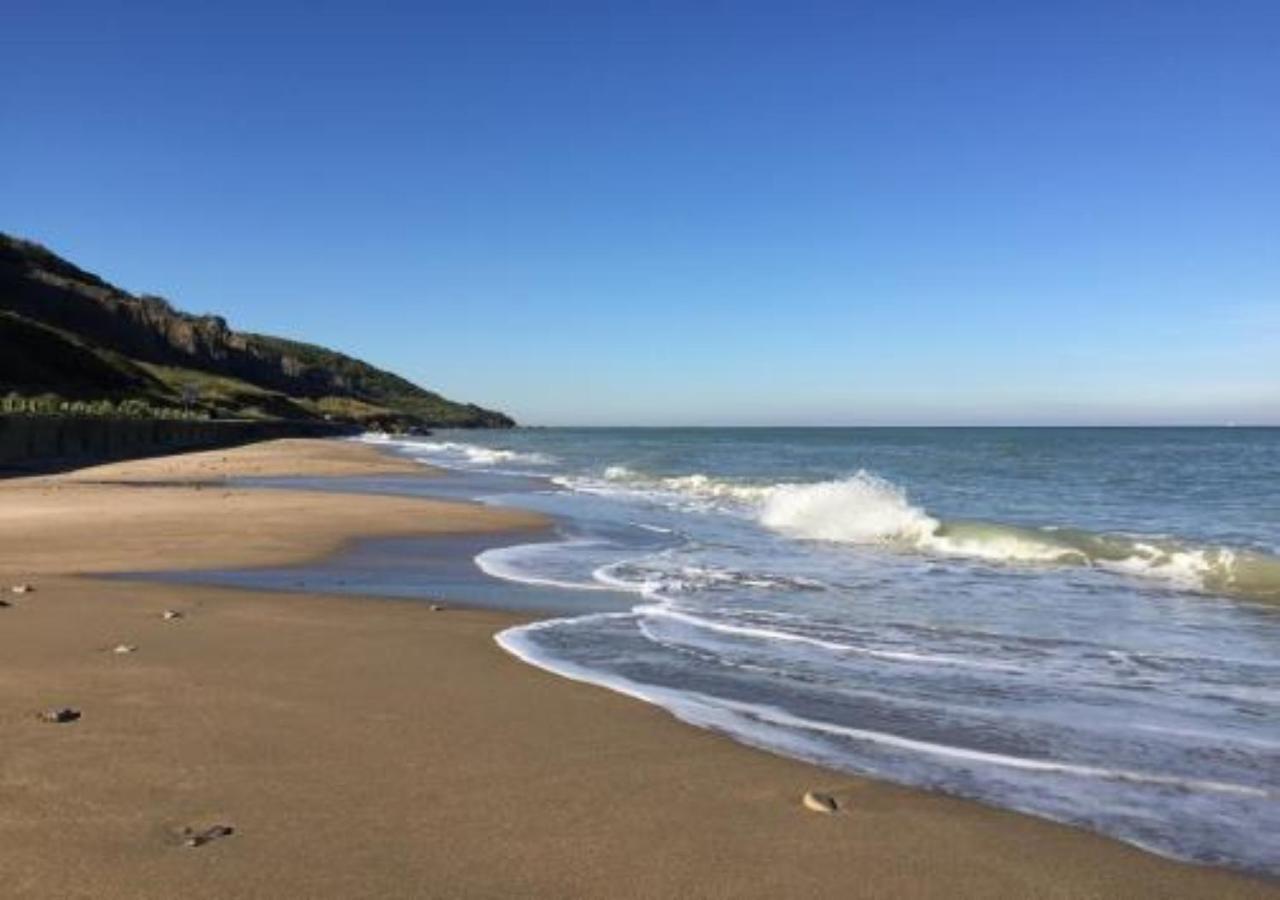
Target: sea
(1082,624)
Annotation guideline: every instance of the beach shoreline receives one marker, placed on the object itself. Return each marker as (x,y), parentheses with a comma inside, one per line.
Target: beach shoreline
(359,748)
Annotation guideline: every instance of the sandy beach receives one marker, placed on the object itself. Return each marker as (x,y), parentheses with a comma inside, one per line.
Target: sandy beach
(369,748)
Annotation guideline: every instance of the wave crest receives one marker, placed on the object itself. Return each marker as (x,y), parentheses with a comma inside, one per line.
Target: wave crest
(867,509)
(455,452)
(859,510)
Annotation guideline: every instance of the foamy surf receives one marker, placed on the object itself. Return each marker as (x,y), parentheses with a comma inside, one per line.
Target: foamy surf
(1059,784)
(648,614)
(1096,674)
(868,510)
(521,561)
(458,453)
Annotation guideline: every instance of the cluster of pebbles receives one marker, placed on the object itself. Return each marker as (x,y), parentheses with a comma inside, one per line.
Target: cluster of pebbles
(65,715)
(17,589)
(198,837)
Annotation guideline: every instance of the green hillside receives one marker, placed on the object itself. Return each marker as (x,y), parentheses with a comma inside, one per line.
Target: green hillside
(71,341)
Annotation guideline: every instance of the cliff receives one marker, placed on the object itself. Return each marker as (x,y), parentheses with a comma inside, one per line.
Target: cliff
(66,333)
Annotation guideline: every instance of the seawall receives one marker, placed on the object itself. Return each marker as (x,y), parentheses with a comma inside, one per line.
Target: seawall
(47,443)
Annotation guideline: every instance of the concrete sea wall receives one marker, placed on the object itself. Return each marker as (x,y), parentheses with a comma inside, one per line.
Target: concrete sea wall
(41,443)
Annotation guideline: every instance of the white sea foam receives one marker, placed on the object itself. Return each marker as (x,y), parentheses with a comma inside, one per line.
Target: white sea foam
(738,717)
(773,634)
(656,529)
(859,510)
(1188,568)
(482,456)
(514,564)
(696,491)
(457,452)
(865,509)
(647,585)
(647,577)
(780,717)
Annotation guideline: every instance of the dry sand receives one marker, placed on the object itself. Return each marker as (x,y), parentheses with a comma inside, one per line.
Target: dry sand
(364,748)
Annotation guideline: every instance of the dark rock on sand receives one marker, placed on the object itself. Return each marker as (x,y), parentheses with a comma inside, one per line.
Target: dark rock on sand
(194,838)
(60,716)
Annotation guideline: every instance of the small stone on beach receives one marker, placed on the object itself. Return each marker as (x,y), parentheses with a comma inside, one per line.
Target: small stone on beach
(171,614)
(823,803)
(59,716)
(123,648)
(22,589)
(200,838)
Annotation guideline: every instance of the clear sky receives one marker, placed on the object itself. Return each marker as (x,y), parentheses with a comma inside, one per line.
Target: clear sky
(687,213)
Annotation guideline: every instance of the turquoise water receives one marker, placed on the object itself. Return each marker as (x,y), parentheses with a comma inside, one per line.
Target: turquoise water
(1078,623)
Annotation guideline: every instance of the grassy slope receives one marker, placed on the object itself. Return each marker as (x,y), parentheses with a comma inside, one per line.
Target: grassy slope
(32,353)
(376,388)
(37,359)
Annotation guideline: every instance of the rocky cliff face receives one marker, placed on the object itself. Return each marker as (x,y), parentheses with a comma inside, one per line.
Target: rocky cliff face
(41,287)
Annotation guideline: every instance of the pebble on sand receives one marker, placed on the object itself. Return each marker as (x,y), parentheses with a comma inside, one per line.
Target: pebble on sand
(123,648)
(61,715)
(22,589)
(195,838)
(171,614)
(823,803)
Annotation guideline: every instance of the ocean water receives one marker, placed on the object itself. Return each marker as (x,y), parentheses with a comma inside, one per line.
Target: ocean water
(1082,624)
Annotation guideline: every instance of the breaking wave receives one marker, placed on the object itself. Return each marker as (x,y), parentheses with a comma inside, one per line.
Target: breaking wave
(866,509)
(457,453)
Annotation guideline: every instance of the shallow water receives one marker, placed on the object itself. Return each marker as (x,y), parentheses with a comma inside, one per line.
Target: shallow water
(1080,624)
(1077,623)
(439,567)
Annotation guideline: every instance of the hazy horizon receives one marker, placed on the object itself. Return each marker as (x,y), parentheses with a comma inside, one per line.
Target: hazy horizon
(760,215)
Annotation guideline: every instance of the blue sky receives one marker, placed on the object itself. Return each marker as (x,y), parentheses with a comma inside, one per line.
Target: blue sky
(687,213)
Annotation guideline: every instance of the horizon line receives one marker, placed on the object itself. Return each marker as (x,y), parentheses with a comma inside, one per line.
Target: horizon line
(1188,425)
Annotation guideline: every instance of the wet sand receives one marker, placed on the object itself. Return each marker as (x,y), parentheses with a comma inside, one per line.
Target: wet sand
(365,748)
